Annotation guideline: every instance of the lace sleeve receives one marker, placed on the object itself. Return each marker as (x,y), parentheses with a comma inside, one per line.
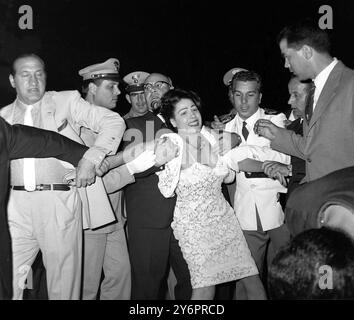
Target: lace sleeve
(169,177)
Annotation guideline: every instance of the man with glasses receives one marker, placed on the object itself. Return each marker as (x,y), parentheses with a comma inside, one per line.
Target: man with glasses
(152,246)
(155,86)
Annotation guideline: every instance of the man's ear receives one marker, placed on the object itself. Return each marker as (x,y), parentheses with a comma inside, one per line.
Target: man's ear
(92,88)
(127,96)
(260,98)
(307,52)
(12,81)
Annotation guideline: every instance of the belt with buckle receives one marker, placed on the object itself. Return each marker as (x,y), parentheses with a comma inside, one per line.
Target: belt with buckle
(45,187)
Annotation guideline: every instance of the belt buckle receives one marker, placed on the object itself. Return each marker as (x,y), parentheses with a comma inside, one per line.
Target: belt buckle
(40,187)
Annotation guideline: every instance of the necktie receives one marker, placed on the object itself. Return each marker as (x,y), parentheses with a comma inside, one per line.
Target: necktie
(309,103)
(245,131)
(29,173)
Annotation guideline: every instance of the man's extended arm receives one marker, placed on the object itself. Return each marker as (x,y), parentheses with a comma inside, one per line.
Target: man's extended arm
(109,125)
(30,142)
(283,140)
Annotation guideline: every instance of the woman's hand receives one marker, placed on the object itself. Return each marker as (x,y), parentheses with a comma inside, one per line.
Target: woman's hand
(165,151)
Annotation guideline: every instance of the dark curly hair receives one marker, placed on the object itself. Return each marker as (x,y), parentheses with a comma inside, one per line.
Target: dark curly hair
(295,271)
(171,98)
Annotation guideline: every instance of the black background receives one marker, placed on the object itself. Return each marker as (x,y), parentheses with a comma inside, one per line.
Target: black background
(194,42)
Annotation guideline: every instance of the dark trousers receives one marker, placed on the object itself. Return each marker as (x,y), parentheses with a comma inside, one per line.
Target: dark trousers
(262,242)
(151,253)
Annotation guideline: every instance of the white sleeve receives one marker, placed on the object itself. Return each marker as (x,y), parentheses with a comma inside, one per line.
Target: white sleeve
(169,177)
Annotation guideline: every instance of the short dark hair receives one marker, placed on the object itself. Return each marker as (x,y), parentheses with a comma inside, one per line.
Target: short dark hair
(305,33)
(85,85)
(248,76)
(171,98)
(308,83)
(294,272)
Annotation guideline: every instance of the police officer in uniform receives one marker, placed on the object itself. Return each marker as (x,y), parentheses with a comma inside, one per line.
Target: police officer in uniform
(135,94)
(106,248)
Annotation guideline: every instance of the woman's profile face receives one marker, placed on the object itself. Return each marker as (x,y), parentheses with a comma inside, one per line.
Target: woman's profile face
(186,116)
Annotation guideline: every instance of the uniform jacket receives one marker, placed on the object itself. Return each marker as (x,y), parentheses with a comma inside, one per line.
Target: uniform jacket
(327,142)
(113,181)
(25,142)
(260,192)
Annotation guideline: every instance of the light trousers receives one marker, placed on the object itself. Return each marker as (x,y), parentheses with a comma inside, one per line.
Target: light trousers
(107,252)
(52,222)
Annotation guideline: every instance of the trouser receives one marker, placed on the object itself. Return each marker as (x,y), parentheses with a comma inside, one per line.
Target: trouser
(52,222)
(39,280)
(107,251)
(258,242)
(152,251)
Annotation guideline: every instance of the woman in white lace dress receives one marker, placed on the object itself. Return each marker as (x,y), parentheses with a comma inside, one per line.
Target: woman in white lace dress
(204,223)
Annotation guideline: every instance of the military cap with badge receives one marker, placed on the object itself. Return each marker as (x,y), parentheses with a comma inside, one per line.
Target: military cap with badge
(135,81)
(134,88)
(105,70)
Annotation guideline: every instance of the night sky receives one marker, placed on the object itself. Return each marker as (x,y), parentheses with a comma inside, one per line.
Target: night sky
(194,42)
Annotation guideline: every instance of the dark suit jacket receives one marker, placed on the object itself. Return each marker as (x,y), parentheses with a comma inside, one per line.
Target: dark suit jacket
(327,143)
(16,142)
(146,206)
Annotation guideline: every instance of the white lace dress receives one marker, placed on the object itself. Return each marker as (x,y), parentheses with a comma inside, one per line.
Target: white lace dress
(207,228)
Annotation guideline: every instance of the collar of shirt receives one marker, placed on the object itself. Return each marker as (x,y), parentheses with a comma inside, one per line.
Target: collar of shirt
(24,106)
(250,121)
(321,79)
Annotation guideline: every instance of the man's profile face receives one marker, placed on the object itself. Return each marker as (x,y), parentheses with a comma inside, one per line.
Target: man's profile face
(155,86)
(29,79)
(295,61)
(297,99)
(246,97)
(106,94)
(138,102)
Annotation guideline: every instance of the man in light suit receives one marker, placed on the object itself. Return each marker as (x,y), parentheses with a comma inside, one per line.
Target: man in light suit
(22,141)
(328,131)
(47,214)
(256,198)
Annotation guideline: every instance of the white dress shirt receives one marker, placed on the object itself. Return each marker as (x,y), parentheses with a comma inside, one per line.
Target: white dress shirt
(321,79)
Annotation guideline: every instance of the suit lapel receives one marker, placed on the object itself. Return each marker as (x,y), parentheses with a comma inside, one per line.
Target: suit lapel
(48,113)
(328,92)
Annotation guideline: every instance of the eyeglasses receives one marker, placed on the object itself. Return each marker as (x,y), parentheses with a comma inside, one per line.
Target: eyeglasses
(160,85)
